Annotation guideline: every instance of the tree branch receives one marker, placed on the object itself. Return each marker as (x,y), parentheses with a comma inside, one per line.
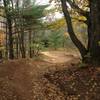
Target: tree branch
(76,8)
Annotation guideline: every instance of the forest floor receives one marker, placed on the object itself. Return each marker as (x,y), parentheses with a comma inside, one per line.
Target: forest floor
(56,75)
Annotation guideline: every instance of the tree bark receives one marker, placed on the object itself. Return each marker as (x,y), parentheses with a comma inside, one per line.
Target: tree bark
(11,53)
(30,43)
(95,29)
(10,35)
(23,51)
(73,37)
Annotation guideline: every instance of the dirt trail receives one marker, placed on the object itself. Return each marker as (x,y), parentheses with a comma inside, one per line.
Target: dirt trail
(54,77)
(58,56)
(24,79)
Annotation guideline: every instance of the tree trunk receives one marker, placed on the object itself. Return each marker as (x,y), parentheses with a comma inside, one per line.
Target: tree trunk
(93,19)
(10,36)
(0,54)
(23,51)
(30,43)
(17,47)
(95,29)
(6,52)
(73,37)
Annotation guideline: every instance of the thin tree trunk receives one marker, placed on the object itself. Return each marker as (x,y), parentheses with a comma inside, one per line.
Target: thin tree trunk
(10,36)
(30,43)
(6,53)
(17,47)
(23,51)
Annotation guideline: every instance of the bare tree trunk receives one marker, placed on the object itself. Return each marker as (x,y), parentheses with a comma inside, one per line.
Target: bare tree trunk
(23,51)
(17,47)
(95,29)
(93,23)
(30,43)
(6,53)
(73,37)
(0,55)
(10,36)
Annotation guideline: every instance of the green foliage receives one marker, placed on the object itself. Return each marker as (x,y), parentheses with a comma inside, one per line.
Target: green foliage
(57,24)
(26,19)
(55,40)
(35,12)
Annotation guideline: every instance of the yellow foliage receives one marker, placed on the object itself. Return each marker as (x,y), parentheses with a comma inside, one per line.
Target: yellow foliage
(57,24)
